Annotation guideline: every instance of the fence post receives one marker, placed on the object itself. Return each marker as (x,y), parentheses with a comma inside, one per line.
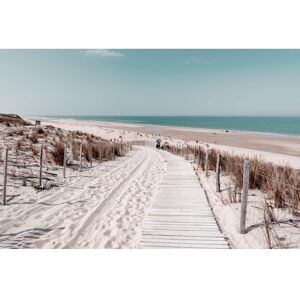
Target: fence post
(65,161)
(244,196)
(194,154)
(4,176)
(218,187)
(90,156)
(41,167)
(206,163)
(80,158)
(113,149)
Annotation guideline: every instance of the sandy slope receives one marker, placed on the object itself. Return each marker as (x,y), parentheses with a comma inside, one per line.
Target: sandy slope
(100,208)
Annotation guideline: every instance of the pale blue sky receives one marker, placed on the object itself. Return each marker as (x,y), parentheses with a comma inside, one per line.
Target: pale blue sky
(150,82)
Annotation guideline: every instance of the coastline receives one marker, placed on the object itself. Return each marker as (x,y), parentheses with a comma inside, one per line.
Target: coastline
(177,127)
(280,149)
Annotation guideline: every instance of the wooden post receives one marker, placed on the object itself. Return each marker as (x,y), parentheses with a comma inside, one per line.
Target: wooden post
(41,167)
(100,154)
(199,160)
(80,158)
(4,176)
(206,163)
(218,187)
(113,149)
(244,196)
(65,161)
(194,154)
(90,156)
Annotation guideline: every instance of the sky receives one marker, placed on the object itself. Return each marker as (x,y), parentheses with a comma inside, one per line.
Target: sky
(150,82)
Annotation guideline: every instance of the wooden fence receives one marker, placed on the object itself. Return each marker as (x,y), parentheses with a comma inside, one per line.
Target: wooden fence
(110,153)
(243,173)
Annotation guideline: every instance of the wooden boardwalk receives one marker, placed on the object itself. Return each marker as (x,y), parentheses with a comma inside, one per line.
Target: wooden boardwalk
(181,216)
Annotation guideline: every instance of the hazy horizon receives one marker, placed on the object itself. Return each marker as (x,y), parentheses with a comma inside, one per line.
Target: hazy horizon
(207,83)
(208,116)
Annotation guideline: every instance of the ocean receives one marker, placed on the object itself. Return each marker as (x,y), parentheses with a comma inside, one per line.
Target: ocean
(274,125)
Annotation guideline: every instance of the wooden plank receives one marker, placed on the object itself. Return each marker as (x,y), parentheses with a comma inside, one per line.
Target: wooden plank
(192,240)
(182,246)
(180,227)
(181,241)
(189,232)
(180,222)
(185,244)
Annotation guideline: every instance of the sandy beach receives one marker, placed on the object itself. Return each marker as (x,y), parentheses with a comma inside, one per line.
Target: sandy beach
(278,149)
(107,204)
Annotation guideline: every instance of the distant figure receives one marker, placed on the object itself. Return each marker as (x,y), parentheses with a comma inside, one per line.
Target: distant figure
(158,143)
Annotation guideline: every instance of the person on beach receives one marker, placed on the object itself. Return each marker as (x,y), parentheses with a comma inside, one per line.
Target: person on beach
(158,143)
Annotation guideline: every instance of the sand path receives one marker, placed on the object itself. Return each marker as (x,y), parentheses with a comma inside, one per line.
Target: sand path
(103,207)
(181,216)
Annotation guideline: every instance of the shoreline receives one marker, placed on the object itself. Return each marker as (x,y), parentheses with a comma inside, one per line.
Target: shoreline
(177,127)
(282,149)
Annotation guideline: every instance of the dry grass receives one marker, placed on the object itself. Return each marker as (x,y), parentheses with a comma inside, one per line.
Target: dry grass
(33,150)
(40,130)
(58,153)
(25,142)
(33,138)
(18,144)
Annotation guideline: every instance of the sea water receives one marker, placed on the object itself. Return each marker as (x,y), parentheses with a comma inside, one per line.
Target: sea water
(275,125)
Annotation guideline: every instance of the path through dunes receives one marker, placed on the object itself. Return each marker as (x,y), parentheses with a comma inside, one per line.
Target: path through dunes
(103,207)
(181,216)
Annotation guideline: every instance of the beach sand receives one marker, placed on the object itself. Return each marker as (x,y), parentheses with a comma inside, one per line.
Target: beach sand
(278,149)
(105,206)
(274,148)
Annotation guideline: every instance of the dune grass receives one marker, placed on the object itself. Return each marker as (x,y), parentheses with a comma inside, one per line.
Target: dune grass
(280,183)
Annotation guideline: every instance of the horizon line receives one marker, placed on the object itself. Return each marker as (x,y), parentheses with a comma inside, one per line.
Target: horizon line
(119,115)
